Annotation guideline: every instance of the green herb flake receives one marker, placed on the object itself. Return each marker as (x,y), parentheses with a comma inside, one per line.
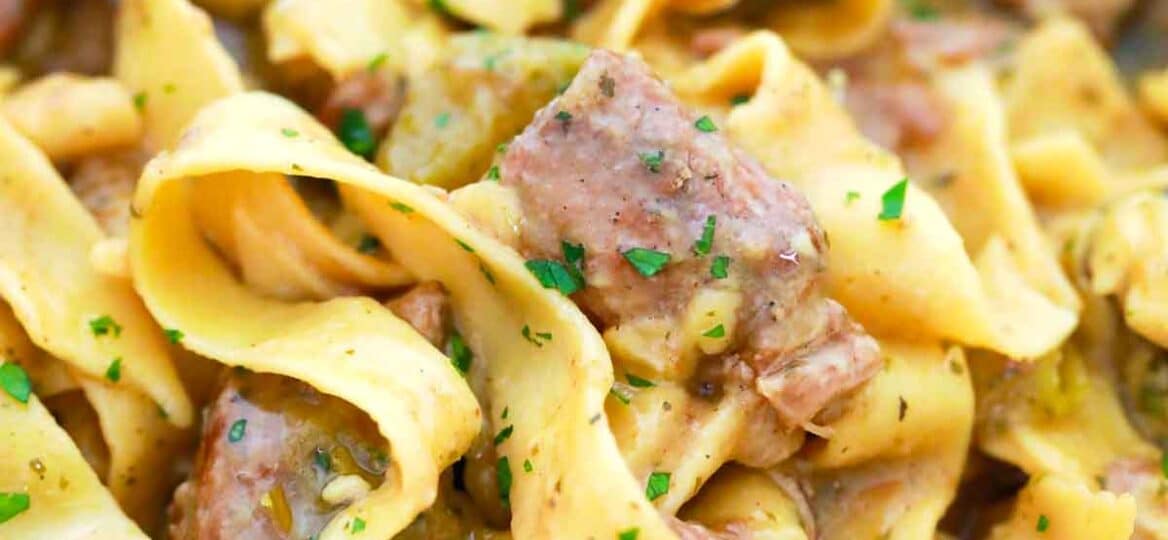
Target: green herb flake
(564,116)
(536,338)
(493,173)
(527,466)
(893,201)
(852,197)
(442,120)
(921,10)
(501,148)
(290,133)
(140,101)
(506,411)
(14,381)
(12,505)
(358,526)
(720,267)
(322,459)
(621,392)
(658,485)
(706,242)
(355,133)
(237,431)
(554,275)
(1163,463)
(653,160)
(715,332)
(460,355)
(572,10)
(114,371)
(376,63)
(486,273)
(368,244)
(628,534)
(638,382)
(504,434)
(647,262)
(574,255)
(438,6)
(465,246)
(503,479)
(739,99)
(401,207)
(105,326)
(705,125)
(173,335)
(1043,523)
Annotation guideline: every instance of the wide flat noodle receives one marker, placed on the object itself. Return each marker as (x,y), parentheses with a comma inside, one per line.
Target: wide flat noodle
(346,39)
(66,499)
(554,394)
(907,277)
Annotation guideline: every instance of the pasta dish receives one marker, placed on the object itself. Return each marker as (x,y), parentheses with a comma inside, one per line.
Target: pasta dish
(583,270)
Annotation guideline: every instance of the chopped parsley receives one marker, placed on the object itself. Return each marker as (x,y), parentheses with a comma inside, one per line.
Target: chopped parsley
(705,125)
(439,6)
(628,534)
(638,382)
(658,485)
(460,355)
(892,201)
(173,335)
(564,116)
(719,268)
(377,61)
(114,371)
(1043,523)
(140,101)
(401,207)
(852,196)
(715,332)
(653,160)
(465,246)
(739,99)
(607,85)
(501,148)
(536,338)
(503,478)
(355,133)
(358,526)
(322,459)
(237,431)
(14,381)
(574,254)
(368,244)
(921,10)
(105,326)
(1163,464)
(554,275)
(703,245)
(493,173)
(572,10)
(506,411)
(442,120)
(12,505)
(290,133)
(648,262)
(527,466)
(486,273)
(504,434)
(621,392)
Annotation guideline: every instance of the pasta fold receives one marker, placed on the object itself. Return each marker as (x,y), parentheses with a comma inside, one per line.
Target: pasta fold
(553,388)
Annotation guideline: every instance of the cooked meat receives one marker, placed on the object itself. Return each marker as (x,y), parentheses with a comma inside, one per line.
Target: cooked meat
(270,447)
(68,35)
(692,531)
(616,164)
(379,96)
(278,459)
(13,14)
(105,184)
(427,308)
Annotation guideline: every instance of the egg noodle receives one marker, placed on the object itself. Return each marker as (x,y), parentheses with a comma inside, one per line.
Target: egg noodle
(611,269)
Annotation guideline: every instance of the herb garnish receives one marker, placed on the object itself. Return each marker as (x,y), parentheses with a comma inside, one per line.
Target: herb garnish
(460,355)
(504,434)
(173,335)
(648,262)
(719,267)
(12,505)
(104,326)
(503,478)
(554,275)
(237,431)
(114,371)
(653,160)
(14,381)
(715,332)
(893,201)
(705,125)
(638,382)
(703,245)
(368,244)
(658,485)
(355,133)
